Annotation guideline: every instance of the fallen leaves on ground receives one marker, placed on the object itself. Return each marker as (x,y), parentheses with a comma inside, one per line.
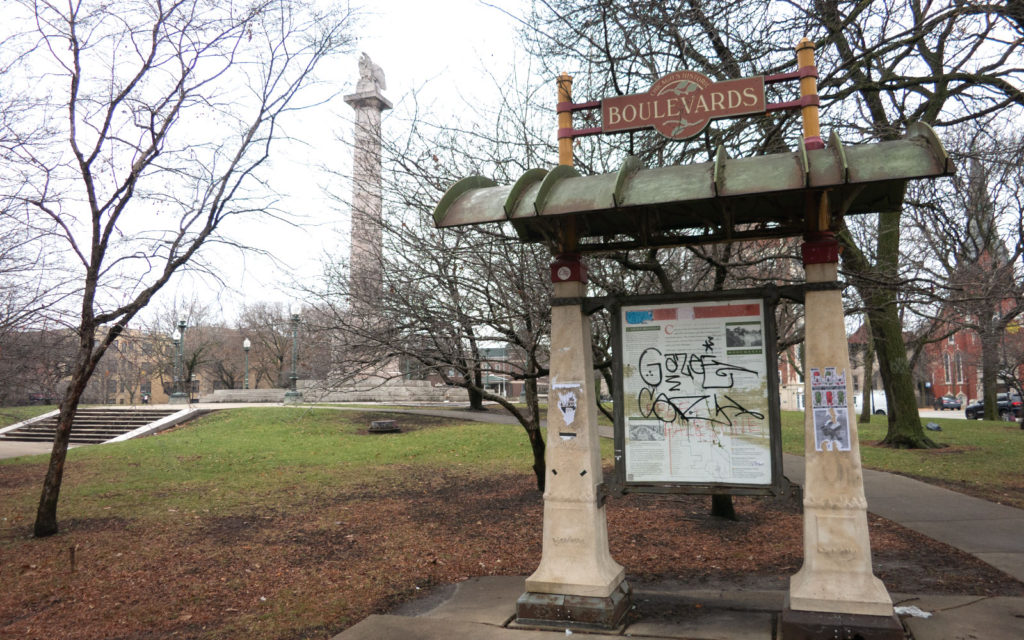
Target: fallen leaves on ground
(311,567)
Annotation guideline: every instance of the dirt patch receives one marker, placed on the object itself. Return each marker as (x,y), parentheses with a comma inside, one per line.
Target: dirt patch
(403,421)
(944,449)
(312,567)
(18,476)
(234,529)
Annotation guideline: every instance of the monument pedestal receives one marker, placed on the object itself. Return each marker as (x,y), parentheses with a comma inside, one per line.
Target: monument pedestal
(577,582)
(584,612)
(818,625)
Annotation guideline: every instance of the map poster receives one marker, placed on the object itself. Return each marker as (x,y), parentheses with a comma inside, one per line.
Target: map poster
(695,393)
(831,410)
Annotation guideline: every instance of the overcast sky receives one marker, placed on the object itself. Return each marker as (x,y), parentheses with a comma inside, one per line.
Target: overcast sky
(436,48)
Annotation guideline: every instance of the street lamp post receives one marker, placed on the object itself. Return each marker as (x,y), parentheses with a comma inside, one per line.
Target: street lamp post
(176,339)
(245,347)
(293,395)
(179,396)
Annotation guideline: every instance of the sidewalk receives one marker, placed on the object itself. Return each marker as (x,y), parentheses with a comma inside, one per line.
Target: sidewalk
(484,609)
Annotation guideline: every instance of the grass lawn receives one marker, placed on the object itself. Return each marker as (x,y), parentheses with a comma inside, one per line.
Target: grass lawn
(11,415)
(983,458)
(289,523)
(241,526)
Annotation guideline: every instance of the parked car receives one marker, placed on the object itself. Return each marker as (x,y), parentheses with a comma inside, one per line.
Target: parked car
(1009,407)
(948,402)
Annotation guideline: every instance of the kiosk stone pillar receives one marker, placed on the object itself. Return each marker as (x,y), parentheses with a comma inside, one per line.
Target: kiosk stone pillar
(577,583)
(835,594)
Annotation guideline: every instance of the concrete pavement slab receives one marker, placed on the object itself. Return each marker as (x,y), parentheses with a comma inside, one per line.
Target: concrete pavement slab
(467,612)
(708,624)
(921,504)
(981,535)
(488,600)
(994,618)
(746,600)
(15,449)
(1009,563)
(383,627)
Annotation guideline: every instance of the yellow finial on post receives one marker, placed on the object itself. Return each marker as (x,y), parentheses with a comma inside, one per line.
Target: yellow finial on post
(565,119)
(809,87)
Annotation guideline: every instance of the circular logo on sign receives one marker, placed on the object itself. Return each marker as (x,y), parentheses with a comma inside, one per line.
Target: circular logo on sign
(564,273)
(686,104)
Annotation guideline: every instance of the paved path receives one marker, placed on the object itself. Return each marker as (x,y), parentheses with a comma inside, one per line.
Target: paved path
(14,449)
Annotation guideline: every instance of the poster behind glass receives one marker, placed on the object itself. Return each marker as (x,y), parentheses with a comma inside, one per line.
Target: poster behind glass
(695,392)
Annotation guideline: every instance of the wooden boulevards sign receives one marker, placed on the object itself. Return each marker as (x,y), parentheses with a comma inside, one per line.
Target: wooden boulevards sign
(680,104)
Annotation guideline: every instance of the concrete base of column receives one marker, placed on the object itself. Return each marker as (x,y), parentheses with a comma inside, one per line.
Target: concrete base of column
(177,398)
(819,625)
(840,592)
(582,612)
(293,397)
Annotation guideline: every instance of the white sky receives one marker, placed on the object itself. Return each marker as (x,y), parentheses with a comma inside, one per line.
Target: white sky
(436,48)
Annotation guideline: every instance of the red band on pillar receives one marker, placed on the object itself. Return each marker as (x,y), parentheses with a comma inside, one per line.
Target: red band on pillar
(568,267)
(820,247)
(814,142)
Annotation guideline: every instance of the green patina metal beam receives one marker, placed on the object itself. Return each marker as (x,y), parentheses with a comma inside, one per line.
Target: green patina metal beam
(728,199)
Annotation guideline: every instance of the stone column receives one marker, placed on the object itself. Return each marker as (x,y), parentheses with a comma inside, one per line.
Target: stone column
(577,582)
(835,593)
(366,237)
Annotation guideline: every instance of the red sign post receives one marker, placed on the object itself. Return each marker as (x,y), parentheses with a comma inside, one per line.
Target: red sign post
(679,105)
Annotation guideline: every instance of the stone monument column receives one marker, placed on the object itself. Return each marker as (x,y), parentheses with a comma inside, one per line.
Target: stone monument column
(366,238)
(577,582)
(835,593)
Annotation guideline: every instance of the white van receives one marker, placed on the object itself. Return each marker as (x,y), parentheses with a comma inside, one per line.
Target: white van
(878,404)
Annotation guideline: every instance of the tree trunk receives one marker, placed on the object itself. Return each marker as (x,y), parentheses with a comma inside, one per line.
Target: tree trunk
(905,429)
(868,382)
(476,400)
(722,507)
(989,369)
(46,514)
(533,432)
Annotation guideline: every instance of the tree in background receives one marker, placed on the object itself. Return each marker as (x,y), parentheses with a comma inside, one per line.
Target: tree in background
(156,122)
(972,230)
(266,326)
(34,365)
(889,64)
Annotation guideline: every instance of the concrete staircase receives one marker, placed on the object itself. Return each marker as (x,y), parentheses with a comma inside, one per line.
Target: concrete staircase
(91,425)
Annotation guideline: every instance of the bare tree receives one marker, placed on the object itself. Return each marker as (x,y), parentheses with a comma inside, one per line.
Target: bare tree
(891,64)
(33,365)
(266,324)
(159,120)
(973,239)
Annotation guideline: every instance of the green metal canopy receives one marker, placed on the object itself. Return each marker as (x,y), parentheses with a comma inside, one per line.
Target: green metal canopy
(728,199)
